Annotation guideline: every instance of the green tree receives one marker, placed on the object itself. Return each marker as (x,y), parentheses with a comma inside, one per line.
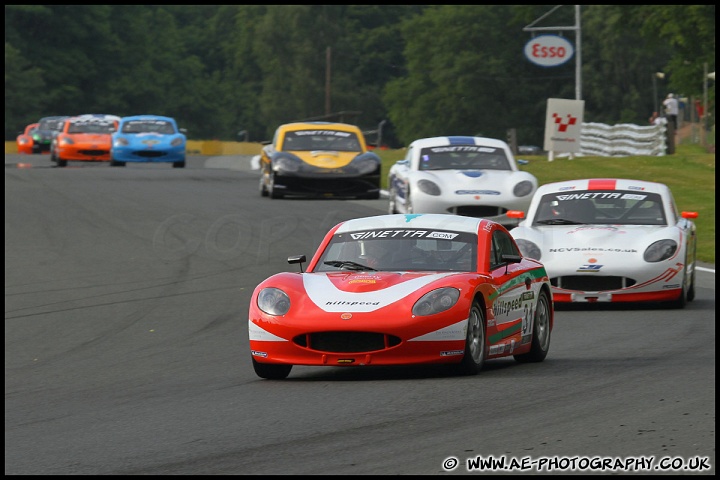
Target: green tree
(429,69)
(71,45)
(690,30)
(467,75)
(24,87)
(618,71)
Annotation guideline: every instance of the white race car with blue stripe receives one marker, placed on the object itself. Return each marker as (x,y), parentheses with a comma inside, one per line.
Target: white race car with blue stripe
(469,176)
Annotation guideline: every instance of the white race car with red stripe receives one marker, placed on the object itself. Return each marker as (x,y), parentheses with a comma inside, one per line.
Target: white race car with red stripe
(611,240)
(401,290)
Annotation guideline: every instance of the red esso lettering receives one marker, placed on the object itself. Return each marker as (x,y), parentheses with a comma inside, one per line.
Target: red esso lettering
(558,52)
(545,52)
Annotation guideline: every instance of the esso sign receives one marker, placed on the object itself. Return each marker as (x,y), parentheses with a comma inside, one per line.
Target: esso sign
(549,50)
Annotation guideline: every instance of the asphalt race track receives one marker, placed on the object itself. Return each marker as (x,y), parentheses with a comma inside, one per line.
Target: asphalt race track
(126,352)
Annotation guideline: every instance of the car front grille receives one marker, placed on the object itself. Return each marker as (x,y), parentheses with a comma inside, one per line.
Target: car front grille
(150,153)
(346,342)
(477,211)
(591,283)
(95,153)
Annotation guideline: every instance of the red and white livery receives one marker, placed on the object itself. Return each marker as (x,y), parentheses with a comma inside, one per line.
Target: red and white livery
(404,289)
(611,240)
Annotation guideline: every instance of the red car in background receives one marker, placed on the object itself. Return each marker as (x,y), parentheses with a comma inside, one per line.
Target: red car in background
(85,138)
(25,140)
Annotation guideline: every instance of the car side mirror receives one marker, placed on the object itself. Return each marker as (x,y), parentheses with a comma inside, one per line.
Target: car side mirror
(508,258)
(297,259)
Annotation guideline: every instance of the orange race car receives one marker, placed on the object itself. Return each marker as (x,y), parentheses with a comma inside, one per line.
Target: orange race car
(25,140)
(85,138)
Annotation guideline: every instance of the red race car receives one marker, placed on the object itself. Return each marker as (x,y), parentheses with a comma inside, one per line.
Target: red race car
(25,140)
(85,138)
(404,289)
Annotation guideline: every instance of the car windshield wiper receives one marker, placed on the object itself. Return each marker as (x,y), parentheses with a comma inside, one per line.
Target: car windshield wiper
(348,264)
(558,221)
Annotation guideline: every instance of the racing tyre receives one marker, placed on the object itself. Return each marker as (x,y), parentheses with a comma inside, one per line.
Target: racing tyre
(392,199)
(682,300)
(687,292)
(408,202)
(475,342)
(271,371)
(691,287)
(115,163)
(541,332)
(61,162)
(263,189)
(271,188)
(179,164)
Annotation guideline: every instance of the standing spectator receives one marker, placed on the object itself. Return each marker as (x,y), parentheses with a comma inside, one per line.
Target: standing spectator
(699,109)
(671,110)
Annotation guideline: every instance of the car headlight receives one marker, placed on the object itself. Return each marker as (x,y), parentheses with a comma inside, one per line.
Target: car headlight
(523,188)
(528,249)
(428,187)
(176,142)
(23,141)
(660,250)
(365,166)
(285,164)
(36,137)
(273,301)
(436,301)
(66,141)
(121,142)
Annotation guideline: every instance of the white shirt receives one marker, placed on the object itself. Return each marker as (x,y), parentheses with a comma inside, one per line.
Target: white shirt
(671,106)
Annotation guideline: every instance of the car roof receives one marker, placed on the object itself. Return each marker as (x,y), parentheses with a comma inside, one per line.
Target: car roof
(603,184)
(456,223)
(98,116)
(345,127)
(458,140)
(147,117)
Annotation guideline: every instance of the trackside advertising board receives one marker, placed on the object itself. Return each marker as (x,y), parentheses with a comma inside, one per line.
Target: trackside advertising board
(563,124)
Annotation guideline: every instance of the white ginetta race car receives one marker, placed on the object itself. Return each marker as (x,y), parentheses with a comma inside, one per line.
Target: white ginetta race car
(611,240)
(468,176)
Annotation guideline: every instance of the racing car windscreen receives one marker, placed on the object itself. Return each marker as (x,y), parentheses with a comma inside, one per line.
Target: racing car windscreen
(400,250)
(327,140)
(463,157)
(611,207)
(148,126)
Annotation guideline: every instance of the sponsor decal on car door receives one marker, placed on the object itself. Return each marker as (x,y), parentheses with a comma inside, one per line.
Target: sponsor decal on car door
(514,310)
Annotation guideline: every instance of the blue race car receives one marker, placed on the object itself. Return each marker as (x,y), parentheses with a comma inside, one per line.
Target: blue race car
(148,139)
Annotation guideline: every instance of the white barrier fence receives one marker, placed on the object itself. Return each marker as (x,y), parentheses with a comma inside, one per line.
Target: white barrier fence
(622,140)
